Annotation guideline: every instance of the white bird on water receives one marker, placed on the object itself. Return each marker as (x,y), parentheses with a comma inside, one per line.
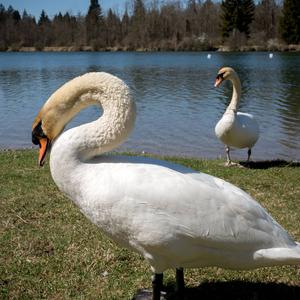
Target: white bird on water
(271,55)
(209,56)
(173,216)
(235,129)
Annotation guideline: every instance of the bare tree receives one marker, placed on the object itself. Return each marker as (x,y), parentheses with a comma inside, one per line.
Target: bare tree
(266,16)
(152,24)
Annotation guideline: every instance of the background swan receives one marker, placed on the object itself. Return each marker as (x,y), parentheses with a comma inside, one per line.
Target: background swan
(174,217)
(235,129)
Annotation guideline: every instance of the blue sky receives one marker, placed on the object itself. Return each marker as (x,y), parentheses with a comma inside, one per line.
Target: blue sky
(52,7)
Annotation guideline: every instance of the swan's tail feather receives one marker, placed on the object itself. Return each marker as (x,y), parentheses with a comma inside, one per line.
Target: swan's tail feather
(279,256)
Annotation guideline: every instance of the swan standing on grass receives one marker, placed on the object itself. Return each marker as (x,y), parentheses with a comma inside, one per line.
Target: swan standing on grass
(235,129)
(173,216)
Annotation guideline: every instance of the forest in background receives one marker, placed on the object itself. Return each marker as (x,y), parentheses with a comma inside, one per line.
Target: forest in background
(153,25)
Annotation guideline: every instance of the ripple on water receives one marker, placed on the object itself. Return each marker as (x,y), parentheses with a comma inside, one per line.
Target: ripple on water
(177,104)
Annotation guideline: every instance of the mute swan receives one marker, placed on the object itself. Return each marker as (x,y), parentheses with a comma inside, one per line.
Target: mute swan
(173,216)
(235,129)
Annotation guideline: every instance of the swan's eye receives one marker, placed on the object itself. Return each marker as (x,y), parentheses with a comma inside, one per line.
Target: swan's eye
(35,140)
(37,134)
(220,76)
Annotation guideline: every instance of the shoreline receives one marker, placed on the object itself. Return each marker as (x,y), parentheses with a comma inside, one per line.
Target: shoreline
(258,163)
(222,48)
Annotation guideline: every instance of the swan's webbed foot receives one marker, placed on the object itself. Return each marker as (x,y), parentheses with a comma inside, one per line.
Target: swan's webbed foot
(145,294)
(232,164)
(157,285)
(156,293)
(229,162)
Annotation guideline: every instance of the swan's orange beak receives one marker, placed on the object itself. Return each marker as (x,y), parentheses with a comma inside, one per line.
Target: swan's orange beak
(41,139)
(218,81)
(44,145)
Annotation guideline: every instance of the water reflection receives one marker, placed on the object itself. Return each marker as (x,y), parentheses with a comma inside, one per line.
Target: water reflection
(288,106)
(177,104)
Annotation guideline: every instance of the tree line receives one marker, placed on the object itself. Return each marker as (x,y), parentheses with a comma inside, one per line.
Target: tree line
(157,25)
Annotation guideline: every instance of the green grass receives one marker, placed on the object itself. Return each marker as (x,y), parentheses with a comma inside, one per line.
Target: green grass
(50,251)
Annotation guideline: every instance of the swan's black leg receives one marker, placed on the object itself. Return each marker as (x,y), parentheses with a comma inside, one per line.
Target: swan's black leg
(157,284)
(249,154)
(180,282)
(228,155)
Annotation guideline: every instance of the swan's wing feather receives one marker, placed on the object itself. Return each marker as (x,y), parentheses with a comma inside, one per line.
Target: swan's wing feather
(240,130)
(114,158)
(248,123)
(207,210)
(224,125)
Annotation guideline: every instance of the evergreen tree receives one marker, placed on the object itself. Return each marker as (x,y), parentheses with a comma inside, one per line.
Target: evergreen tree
(237,15)
(3,17)
(139,14)
(94,24)
(28,30)
(290,21)
(45,33)
(138,22)
(125,23)
(13,15)
(246,16)
(94,6)
(16,16)
(25,15)
(43,19)
(2,8)
(113,29)
(154,23)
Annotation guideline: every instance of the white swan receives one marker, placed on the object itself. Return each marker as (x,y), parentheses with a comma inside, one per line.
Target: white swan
(235,129)
(173,216)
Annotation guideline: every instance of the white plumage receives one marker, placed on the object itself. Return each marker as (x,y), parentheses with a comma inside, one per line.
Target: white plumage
(172,215)
(238,130)
(235,129)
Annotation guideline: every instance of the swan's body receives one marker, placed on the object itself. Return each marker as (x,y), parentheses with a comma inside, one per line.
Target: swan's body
(235,129)
(172,215)
(238,130)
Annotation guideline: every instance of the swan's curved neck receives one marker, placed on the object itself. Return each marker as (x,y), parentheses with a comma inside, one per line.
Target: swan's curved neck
(79,144)
(236,94)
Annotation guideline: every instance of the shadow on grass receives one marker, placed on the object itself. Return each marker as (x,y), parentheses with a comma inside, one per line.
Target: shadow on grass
(235,290)
(266,164)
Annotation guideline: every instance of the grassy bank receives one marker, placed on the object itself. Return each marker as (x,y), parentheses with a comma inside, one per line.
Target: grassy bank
(50,251)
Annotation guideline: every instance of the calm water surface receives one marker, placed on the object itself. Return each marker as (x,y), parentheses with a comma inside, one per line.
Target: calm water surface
(177,104)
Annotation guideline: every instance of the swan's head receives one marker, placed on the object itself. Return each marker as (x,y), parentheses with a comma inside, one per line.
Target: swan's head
(224,74)
(47,125)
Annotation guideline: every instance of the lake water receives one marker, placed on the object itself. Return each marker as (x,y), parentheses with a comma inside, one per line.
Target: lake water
(177,103)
